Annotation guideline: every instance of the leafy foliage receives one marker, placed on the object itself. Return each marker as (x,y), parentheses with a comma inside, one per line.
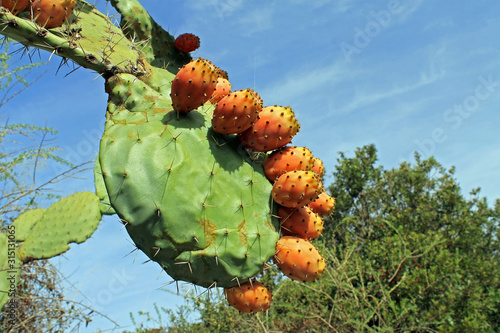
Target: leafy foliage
(406,252)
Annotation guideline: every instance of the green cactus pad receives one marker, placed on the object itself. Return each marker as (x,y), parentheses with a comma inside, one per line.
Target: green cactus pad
(25,222)
(191,199)
(9,266)
(71,219)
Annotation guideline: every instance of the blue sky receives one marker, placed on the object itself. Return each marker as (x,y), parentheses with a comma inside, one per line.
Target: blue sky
(405,75)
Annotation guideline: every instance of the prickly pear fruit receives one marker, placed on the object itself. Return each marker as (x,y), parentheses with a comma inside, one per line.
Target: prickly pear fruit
(222,89)
(323,205)
(287,159)
(296,188)
(300,221)
(15,6)
(193,85)
(298,259)
(275,128)
(187,42)
(236,112)
(318,167)
(249,297)
(260,102)
(52,13)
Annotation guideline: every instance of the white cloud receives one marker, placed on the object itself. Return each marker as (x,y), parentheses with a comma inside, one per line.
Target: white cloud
(298,84)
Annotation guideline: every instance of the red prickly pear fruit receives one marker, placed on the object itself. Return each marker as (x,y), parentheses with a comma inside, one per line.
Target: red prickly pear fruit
(301,222)
(296,188)
(187,42)
(52,13)
(15,6)
(318,167)
(222,89)
(275,128)
(236,112)
(287,159)
(249,297)
(298,259)
(193,85)
(323,205)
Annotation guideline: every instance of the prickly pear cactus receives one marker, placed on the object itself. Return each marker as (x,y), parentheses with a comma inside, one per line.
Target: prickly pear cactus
(191,199)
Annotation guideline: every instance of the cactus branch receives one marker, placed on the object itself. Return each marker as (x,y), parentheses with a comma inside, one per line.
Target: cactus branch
(156,44)
(88,38)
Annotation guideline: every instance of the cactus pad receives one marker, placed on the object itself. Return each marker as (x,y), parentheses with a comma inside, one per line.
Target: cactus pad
(25,222)
(190,198)
(71,219)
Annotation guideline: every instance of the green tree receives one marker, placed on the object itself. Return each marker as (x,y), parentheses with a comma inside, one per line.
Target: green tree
(406,252)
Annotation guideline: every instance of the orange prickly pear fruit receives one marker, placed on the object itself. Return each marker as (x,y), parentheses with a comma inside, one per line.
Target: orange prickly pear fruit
(249,297)
(236,112)
(193,85)
(187,42)
(318,167)
(298,259)
(15,6)
(52,13)
(300,222)
(323,205)
(287,159)
(296,188)
(222,89)
(275,128)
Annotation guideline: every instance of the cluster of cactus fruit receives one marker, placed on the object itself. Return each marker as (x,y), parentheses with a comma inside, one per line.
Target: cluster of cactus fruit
(203,178)
(294,171)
